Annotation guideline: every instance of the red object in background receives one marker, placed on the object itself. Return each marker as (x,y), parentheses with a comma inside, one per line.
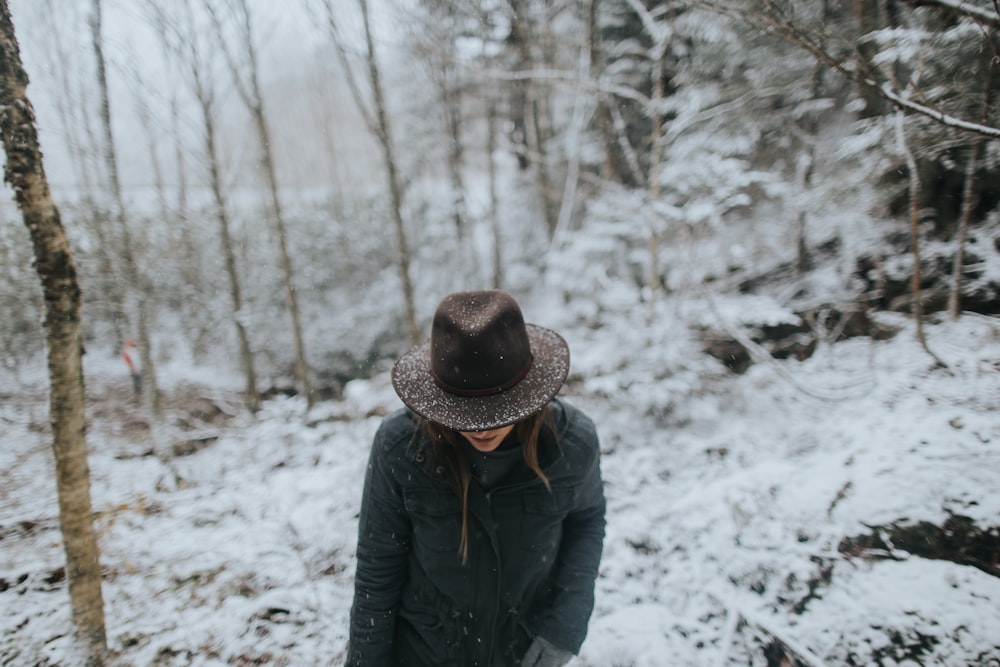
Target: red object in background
(127,350)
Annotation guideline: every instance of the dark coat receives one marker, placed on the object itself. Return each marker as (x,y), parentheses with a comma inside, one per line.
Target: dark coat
(532,560)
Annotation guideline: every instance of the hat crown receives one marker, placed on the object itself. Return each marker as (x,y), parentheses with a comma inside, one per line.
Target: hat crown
(479,343)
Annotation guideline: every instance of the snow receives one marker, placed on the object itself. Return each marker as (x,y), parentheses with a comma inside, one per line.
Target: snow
(726,508)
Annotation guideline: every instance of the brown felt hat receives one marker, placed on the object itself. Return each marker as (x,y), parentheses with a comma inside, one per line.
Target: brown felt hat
(482,367)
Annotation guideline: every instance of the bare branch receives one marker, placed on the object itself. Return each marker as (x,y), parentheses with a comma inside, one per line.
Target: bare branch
(798,37)
(359,99)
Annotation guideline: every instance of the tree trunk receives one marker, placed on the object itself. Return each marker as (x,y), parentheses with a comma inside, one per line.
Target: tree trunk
(109,302)
(917,308)
(255,103)
(806,169)
(378,124)
(447,77)
(491,149)
(205,100)
(969,201)
(193,305)
(151,392)
(534,125)
(614,166)
(63,335)
(656,149)
(395,190)
(229,259)
(866,16)
(582,109)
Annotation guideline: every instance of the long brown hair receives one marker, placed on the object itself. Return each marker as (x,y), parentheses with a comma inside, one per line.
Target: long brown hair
(446,451)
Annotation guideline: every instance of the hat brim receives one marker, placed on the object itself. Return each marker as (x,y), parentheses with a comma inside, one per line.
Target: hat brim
(412,380)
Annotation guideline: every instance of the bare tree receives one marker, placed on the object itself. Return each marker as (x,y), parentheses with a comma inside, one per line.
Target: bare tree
(247,81)
(494,215)
(969,201)
(71,104)
(377,120)
(530,108)
(185,42)
(179,216)
(151,392)
(917,307)
(439,28)
(25,173)
(660,33)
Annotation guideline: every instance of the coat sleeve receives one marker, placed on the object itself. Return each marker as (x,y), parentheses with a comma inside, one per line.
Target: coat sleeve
(382,554)
(565,623)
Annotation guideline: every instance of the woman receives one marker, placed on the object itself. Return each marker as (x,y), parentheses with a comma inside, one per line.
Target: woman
(482,519)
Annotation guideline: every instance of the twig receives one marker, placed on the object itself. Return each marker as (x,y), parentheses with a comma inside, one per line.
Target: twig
(802,653)
(760,355)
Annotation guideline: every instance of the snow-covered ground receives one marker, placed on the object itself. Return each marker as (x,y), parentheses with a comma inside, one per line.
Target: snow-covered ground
(728,499)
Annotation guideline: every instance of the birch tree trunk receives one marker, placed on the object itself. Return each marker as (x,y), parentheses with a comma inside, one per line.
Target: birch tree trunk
(25,173)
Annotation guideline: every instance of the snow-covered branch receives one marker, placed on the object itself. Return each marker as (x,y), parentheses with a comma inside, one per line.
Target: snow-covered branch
(798,37)
(991,19)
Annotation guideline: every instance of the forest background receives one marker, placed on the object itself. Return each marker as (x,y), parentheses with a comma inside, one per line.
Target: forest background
(285,193)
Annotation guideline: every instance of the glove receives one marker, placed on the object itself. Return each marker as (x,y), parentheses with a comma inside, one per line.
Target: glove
(543,653)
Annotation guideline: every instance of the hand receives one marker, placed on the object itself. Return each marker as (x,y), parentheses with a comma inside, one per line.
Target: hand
(543,653)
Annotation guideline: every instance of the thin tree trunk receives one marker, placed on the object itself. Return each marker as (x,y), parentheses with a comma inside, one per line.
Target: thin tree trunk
(614,166)
(378,124)
(229,259)
(534,126)
(151,392)
(491,149)
(917,307)
(655,167)
(807,165)
(206,102)
(25,173)
(582,109)
(285,261)
(866,16)
(395,190)
(449,90)
(969,202)
(191,269)
(254,100)
(109,299)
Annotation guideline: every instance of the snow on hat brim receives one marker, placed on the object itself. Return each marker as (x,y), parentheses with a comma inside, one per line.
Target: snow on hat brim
(415,385)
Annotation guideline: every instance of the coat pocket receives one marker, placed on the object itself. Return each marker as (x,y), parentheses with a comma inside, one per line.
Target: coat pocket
(436,517)
(425,639)
(541,529)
